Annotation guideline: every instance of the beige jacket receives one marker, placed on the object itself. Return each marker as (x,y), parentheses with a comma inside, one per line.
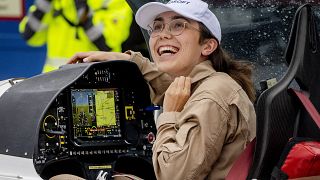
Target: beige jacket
(203,140)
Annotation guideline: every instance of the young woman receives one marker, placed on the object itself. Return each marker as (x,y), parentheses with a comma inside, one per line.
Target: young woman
(208,115)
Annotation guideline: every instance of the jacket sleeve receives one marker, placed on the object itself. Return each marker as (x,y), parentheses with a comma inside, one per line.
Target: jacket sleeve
(110,26)
(189,142)
(33,27)
(158,81)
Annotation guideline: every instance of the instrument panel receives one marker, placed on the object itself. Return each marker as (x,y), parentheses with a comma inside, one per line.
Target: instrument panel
(102,116)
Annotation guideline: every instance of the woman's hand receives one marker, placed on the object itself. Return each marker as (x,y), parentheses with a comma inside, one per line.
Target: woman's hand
(177,94)
(97,56)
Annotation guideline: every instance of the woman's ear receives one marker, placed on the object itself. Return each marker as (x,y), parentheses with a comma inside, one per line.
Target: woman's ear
(209,46)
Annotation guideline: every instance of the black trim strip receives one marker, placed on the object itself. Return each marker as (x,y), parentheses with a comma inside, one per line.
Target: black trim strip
(28,32)
(101,44)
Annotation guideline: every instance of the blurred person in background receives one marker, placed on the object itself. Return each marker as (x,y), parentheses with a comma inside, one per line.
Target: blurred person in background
(70,26)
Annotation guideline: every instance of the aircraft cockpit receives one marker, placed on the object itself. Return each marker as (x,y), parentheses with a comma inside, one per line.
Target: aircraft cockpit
(93,120)
(81,113)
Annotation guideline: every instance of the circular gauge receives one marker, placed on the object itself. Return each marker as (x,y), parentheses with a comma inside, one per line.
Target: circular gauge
(50,123)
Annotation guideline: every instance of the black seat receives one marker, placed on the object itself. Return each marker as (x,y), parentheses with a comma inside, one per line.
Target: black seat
(276,108)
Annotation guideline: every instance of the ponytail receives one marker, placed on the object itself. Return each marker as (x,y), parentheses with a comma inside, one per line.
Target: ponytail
(240,71)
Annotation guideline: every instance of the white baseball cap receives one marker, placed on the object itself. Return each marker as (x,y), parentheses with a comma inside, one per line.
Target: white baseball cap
(193,9)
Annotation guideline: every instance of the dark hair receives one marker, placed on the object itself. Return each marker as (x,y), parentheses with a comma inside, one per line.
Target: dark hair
(239,70)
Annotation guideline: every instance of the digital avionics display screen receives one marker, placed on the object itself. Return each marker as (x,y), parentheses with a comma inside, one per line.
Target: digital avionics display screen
(94,113)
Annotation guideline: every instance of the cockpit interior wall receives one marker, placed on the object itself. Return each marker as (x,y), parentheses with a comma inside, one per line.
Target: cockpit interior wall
(23,105)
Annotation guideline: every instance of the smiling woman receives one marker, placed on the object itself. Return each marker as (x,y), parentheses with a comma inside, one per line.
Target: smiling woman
(208,115)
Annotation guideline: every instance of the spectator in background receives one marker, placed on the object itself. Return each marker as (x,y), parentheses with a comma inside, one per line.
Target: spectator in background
(70,26)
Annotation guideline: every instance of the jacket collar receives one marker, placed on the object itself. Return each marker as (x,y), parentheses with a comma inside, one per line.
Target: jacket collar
(201,71)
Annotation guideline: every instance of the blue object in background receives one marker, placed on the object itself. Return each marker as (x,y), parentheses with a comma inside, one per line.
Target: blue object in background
(17,59)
